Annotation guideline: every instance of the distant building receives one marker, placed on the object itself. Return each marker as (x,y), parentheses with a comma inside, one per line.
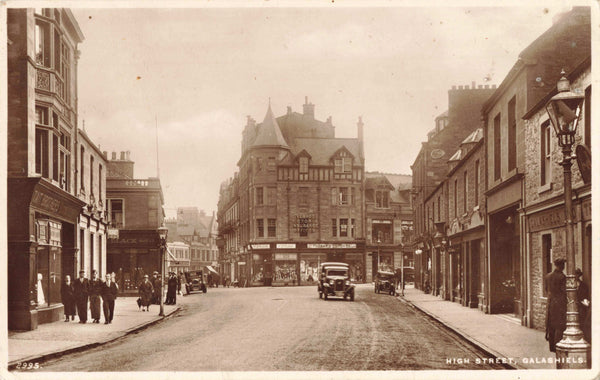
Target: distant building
(44,203)
(178,257)
(232,261)
(136,210)
(300,199)
(388,222)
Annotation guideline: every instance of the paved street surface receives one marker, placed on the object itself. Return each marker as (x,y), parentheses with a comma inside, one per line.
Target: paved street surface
(280,329)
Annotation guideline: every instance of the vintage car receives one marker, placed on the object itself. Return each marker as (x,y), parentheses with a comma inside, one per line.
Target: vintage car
(334,281)
(385,282)
(194,282)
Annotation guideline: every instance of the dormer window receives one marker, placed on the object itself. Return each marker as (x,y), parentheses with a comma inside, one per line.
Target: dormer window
(303,164)
(343,165)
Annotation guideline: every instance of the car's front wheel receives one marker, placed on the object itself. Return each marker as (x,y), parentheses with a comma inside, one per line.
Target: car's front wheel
(325,296)
(352,296)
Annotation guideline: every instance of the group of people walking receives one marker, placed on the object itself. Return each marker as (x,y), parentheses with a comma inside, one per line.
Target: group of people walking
(76,294)
(150,290)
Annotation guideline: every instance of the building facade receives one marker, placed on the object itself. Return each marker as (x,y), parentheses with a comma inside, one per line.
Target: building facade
(388,222)
(231,257)
(178,257)
(136,210)
(544,211)
(43,203)
(94,218)
(430,170)
(301,199)
(564,45)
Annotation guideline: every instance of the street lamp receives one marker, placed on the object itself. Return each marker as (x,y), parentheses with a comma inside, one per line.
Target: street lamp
(162,235)
(564,110)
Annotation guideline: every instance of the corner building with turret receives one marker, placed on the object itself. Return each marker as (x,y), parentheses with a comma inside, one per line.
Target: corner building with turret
(301,200)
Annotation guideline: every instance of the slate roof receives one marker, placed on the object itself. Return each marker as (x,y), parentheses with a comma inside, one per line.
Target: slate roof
(269,133)
(401,183)
(321,150)
(474,137)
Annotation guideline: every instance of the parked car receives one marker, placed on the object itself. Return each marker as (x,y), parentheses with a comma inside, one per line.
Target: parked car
(385,282)
(335,281)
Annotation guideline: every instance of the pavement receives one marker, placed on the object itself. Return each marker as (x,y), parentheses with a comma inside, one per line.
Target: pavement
(501,336)
(57,338)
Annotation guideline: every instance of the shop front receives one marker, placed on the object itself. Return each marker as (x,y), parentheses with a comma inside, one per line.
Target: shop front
(41,241)
(290,264)
(132,255)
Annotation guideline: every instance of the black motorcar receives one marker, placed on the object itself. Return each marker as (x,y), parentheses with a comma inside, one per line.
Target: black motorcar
(194,282)
(385,282)
(334,281)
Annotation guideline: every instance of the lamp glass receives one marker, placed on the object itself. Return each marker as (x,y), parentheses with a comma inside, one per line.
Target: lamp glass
(162,232)
(564,110)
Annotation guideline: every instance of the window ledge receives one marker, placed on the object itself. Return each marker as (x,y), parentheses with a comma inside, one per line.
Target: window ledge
(544,188)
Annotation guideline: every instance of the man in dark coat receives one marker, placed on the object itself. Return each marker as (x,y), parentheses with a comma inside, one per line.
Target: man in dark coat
(157,286)
(556,318)
(81,290)
(171,289)
(95,294)
(109,294)
(67,294)
(584,306)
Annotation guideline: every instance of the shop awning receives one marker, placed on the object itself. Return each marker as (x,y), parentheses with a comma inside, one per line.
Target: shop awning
(211,269)
(170,256)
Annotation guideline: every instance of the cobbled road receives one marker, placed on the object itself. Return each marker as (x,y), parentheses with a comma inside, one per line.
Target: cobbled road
(282,329)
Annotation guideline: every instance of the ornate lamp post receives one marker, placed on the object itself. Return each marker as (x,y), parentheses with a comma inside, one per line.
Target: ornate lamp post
(162,235)
(564,110)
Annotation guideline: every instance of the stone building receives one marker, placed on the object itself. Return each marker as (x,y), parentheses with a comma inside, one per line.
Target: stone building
(43,202)
(300,198)
(536,71)
(430,169)
(465,262)
(544,211)
(388,222)
(136,210)
(231,255)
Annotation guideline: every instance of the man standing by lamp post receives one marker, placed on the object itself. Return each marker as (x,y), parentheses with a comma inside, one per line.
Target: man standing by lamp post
(564,110)
(162,236)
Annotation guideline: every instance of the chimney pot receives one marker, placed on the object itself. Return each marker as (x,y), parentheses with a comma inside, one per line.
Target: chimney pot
(105,153)
(454,87)
(114,155)
(487,86)
(289,110)
(128,154)
(473,85)
(460,87)
(122,155)
(493,86)
(480,86)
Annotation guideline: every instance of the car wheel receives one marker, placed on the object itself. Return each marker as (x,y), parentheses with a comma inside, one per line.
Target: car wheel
(352,296)
(320,295)
(325,296)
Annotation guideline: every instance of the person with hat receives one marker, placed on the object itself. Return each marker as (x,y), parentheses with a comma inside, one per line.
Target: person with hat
(157,286)
(67,294)
(109,294)
(556,314)
(81,290)
(146,290)
(171,289)
(95,294)
(584,306)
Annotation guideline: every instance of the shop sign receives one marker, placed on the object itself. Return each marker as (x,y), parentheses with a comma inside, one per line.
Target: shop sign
(547,219)
(330,246)
(112,233)
(260,246)
(241,263)
(137,241)
(380,221)
(285,256)
(286,246)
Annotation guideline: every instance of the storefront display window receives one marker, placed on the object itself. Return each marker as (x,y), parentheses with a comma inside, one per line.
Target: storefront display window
(285,267)
(309,268)
(258,269)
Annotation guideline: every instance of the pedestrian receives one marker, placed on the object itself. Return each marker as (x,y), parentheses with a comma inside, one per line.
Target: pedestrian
(171,289)
(81,288)
(67,294)
(146,290)
(157,286)
(178,283)
(557,304)
(95,295)
(109,294)
(584,306)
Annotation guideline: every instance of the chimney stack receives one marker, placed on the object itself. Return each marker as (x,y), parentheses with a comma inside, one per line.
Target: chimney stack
(122,156)
(308,108)
(128,155)
(114,156)
(289,110)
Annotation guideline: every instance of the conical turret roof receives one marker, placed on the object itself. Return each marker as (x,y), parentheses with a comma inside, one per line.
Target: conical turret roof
(269,133)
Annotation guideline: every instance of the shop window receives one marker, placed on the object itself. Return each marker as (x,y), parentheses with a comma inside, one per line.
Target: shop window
(334,227)
(546,260)
(260,227)
(343,227)
(546,154)
(272,227)
(382,199)
(42,44)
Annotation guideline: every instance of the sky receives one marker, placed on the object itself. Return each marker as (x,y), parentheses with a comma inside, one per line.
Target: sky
(189,77)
